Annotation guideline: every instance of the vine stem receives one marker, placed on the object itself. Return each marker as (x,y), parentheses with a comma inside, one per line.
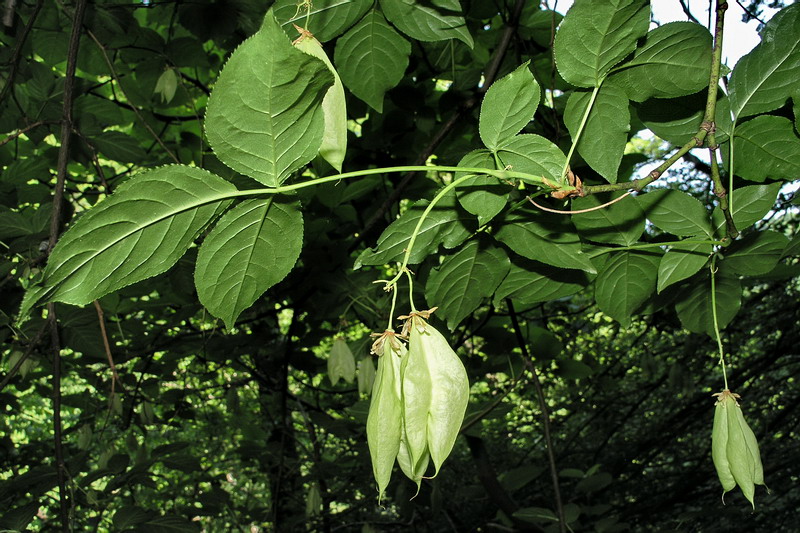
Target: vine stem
(648,245)
(499,174)
(577,137)
(407,256)
(713,268)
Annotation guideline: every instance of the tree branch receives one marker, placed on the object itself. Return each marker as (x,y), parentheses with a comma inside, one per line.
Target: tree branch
(55,227)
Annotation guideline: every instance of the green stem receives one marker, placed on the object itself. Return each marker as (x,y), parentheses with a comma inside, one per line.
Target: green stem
(413,239)
(577,136)
(390,327)
(410,289)
(716,323)
(499,174)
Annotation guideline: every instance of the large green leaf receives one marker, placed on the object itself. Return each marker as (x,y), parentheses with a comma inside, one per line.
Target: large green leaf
(682,261)
(508,106)
(464,279)
(766,147)
(749,205)
(694,305)
(620,223)
(757,253)
(483,196)
(252,247)
(625,283)
(596,35)
(534,155)
(675,60)
(676,119)
(675,212)
(540,237)
(433,20)
(371,58)
(264,117)
(766,77)
(446,224)
(605,134)
(530,282)
(327,18)
(139,231)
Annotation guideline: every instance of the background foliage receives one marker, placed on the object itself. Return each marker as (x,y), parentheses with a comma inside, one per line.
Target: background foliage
(227,424)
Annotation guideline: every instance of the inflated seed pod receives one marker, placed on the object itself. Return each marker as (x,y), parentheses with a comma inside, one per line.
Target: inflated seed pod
(742,459)
(334,107)
(385,409)
(413,472)
(719,445)
(341,362)
(435,390)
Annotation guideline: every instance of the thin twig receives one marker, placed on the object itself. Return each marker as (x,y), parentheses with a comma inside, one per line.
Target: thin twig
(26,129)
(107,346)
(122,90)
(528,361)
(28,351)
(17,54)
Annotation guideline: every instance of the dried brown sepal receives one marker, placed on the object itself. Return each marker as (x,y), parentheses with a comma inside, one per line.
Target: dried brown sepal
(417,318)
(387,336)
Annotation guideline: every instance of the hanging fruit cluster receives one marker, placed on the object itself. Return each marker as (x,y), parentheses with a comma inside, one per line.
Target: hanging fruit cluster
(418,403)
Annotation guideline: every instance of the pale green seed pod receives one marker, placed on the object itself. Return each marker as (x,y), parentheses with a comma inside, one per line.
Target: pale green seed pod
(385,411)
(334,106)
(741,454)
(432,363)
(366,375)
(313,501)
(417,471)
(341,362)
(719,444)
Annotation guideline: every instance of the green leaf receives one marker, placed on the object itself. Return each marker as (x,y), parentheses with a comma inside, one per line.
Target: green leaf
(543,238)
(765,78)
(749,205)
(464,279)
(483,196)
(264,117)
(757,253)
(534,155)
(536,515)
(508,106)
(682,261)
(766,147)
(129,516)
(372,58)
(605,134)
(434,20)
(446,224)
(595,36)
(139,231)
(530,282)
(675,212)
(625,284)
(694,305)
(676,120)
(119,146)
(327,18)
(252,247)
(620,223)
(675,60)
